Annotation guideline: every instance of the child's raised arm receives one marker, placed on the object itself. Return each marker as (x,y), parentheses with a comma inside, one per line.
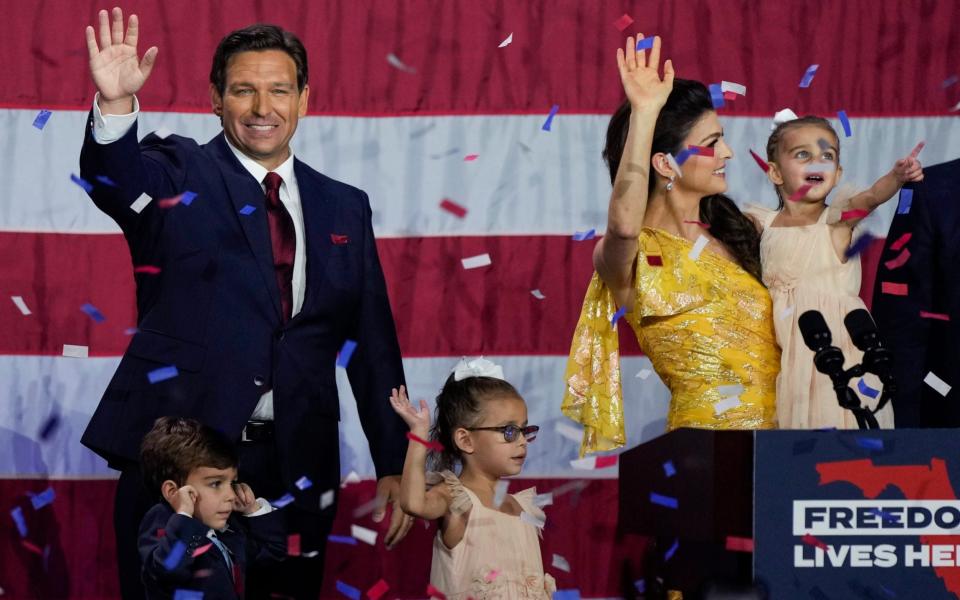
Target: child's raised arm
(414,497)
(904,170)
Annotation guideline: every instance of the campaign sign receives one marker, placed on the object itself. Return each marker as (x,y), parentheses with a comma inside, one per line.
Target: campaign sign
(851,514)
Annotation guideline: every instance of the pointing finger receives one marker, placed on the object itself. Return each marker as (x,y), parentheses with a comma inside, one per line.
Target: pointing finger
(916,151)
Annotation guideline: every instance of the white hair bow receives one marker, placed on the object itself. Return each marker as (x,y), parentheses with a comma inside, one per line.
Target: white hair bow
(478,367)
(783,116)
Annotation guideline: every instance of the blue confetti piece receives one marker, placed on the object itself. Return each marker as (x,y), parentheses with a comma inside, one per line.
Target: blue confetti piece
(162,374)
(106,180)
(42,117)
(343,539)
(176,555)
(716,96)
(869,443)
(348,590)
(44,498)
(667,501)
(282,501)
(808,76)
(303,483)
(187,595)
(580,236)
(683,155)
(949,81)
(248,210)
(866,390)
(93,312)
(343,359)
(86,185)
(888,591)
(842,115)
(672,550)
(884,515)
(549,121)
(669,469)
(645,43)
(641,585)
(187,197)
(51,425)
(17,514)
(616,316)
(859,246)
(566,595)
(906,199)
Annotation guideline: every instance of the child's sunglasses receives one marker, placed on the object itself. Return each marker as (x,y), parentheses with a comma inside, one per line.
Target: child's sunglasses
(511,432)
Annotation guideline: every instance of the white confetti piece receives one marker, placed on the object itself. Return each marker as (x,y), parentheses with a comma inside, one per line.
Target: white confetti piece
(352,477)
(726,404)
(18,300)
(532,520)
(730,390)
(674,165)
(574,434)
(311,554)
(537,294)
(140,203)
(363,534)
(399,64)
(500,492)
(76,351)
(542,500)
(942,387)
(474,262)
(561,563)
(786,313)
(698,247)
(736,88)
(783,115)
(326,499)
(643,373)
(162,133)
(507,41)
(594,462)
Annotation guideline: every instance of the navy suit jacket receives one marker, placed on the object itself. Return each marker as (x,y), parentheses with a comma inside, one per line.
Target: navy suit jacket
(213,311)
(248,539)
(932,274)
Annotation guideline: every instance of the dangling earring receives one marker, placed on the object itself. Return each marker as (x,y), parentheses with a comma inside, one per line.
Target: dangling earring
(670,183)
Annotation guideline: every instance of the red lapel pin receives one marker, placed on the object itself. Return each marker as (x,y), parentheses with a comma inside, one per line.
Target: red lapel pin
(338,239)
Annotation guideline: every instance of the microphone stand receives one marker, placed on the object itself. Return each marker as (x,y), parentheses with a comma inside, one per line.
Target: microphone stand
(846,397)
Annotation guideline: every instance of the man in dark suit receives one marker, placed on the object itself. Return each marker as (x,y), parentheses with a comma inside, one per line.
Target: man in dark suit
(258,271)
(923,326)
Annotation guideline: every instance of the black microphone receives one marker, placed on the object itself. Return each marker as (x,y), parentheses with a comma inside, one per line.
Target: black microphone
(816,335)
(877,358)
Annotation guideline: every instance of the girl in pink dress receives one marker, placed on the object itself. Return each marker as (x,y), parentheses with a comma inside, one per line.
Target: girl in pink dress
(487,545)
(807,265)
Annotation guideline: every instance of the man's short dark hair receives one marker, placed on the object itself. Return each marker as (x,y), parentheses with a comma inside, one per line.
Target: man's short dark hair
(254,38)
(176,446)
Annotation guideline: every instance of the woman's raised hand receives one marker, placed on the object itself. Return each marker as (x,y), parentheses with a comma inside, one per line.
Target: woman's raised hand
(640,75)
(114,66)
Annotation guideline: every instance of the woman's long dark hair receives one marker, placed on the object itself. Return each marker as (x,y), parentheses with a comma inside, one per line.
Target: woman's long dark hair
(686,105)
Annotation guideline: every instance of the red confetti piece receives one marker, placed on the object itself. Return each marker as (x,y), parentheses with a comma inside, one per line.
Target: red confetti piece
(800,193)
(896,263)
(763,164)
(338,239)
(431,445)
(701,150)
(623,22)
(894,289)
(201,550)
(654,260)
(729,95)
(470,157)
(606,461)
(148,269)
(452,207)
(700,223)
(901,241)
(161,533)
(379,588)
(293,544)
(169,202)
(435,593)
(32,547)
(929,315)
(853,214)
(739,544)
(812,541)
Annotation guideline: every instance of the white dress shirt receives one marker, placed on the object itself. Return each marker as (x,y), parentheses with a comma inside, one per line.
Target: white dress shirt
(110,128)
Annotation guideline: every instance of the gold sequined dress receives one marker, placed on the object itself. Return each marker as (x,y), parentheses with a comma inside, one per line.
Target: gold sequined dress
(707,327)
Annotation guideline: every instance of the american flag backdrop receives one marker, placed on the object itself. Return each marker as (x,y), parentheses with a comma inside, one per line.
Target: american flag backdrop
(431,107)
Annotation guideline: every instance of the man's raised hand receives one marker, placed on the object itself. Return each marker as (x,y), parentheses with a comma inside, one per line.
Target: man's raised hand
(114,66)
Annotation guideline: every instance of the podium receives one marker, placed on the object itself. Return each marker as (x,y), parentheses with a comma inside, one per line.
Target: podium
(831,514)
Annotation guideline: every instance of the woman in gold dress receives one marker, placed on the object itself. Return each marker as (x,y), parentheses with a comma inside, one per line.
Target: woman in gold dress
(700,312)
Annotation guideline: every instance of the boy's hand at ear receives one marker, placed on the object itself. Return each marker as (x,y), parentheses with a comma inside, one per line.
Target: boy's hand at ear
(245,502)
(185,500)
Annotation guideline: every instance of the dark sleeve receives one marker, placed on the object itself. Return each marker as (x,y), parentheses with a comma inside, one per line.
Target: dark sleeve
(376,365)
(155,548)
(267,539)
(898,317)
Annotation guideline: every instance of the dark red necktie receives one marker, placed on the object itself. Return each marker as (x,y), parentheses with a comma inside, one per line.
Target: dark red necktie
(283,241)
